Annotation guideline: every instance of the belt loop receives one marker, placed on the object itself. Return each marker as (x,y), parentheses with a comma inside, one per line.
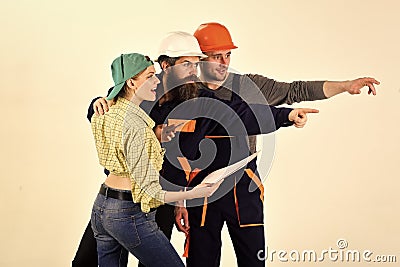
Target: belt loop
(106,195)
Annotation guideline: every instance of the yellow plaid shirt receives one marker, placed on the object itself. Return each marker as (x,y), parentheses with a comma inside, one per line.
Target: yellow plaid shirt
(127,146)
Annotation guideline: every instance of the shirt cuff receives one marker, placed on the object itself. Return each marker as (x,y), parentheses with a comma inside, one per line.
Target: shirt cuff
(160,197)
(317,92)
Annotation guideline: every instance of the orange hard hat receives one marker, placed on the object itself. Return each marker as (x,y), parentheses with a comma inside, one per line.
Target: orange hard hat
(213,36)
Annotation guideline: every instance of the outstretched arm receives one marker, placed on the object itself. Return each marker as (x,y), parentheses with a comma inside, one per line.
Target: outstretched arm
(277,93)
(352,87)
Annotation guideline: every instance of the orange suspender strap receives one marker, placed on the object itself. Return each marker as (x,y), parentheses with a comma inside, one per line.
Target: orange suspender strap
(203,219)
(258,182)
(189,177)
(186,251)
(203,215)
(185,166)
(193,174)
(187,169)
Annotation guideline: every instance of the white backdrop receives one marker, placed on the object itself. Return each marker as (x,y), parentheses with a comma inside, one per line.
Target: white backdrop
(336,178)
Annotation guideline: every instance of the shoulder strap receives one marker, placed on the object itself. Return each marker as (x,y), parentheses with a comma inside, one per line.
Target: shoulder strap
(236,83)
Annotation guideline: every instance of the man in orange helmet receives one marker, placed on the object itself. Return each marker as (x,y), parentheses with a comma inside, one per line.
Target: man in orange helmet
(241,209)
(179,55)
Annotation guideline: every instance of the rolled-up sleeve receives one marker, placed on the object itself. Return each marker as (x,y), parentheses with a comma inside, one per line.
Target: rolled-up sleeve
(144,159)
(277,93)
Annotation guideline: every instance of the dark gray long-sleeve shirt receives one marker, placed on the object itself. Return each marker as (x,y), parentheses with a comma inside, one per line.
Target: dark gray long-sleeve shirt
(277,93)
(255,88)
(273,92)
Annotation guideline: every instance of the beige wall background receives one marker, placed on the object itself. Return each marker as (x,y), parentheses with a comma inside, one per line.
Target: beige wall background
(336,178)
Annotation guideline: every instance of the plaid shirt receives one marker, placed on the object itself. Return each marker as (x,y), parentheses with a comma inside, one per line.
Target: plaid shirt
(127,146)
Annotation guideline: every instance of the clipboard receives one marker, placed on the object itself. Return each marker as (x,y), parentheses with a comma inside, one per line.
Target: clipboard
(222,173)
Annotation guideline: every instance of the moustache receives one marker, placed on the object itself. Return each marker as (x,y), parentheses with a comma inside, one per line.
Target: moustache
(175,82)
(191,78)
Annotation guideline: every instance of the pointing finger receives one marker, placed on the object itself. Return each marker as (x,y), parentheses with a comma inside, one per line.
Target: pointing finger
(309,110)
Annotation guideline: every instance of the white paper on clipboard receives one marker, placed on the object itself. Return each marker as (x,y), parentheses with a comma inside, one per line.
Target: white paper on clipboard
(222,173)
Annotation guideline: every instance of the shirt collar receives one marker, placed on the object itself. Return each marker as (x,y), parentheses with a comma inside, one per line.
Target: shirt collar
(130,107)
(223,92)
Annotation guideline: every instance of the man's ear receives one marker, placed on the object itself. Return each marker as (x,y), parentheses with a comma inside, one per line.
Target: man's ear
(164,66)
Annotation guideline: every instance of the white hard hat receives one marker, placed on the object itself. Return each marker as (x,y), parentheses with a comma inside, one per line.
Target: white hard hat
(180,44)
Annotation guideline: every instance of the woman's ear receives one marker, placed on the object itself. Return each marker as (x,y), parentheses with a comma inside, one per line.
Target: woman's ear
(131,83)
(164,66)
(130,87)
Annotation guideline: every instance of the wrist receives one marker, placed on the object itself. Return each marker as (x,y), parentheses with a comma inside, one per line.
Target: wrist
(344,86)
(291,115)
(189,194)
(176,209)
(180,204)
(333,88)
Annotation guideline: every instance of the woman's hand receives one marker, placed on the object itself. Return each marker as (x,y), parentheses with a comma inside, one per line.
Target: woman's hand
(204,190)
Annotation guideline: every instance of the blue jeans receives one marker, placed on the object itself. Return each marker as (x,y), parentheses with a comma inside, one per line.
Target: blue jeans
(121,226)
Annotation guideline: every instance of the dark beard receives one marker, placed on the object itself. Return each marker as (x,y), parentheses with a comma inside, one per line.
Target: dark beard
(184,92)
(182,89)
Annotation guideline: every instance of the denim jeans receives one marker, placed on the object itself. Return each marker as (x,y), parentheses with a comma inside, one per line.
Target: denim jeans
(121,226)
